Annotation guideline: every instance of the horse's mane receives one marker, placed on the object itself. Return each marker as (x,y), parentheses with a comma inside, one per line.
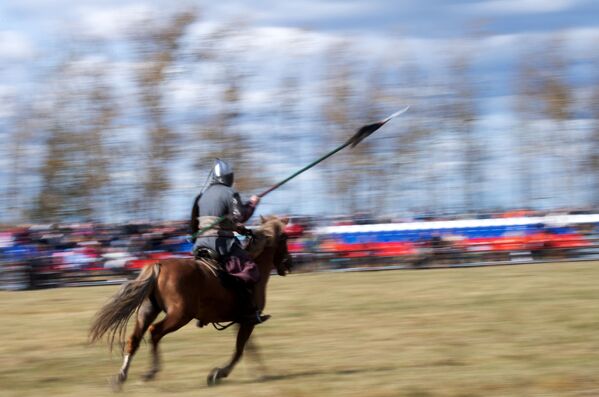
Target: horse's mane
(272,225)
(265,234)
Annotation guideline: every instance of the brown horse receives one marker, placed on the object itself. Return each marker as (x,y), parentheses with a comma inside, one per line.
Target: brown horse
(186,289)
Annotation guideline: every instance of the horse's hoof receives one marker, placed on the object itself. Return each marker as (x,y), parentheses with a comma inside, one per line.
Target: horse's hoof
(116,384)
(264,378)
(148,376)
(214,377)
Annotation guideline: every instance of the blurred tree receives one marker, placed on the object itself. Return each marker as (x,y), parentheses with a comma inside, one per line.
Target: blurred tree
(102,110)
(545,139)
(288,136)
(19,129)
(593,160)
(557,97)
(341,110)
(220,133)
(415,162)
(463,109)
(526,88)
(51,201)
(419,145)
(235,145)
(74,173)
(157,43)
(371,162)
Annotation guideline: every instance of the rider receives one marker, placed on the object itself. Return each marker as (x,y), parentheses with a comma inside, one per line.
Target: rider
(220,199)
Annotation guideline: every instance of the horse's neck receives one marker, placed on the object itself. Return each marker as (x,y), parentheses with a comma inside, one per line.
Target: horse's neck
(265,262)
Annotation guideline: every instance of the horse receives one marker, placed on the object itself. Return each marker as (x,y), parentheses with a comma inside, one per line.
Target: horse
(186,289)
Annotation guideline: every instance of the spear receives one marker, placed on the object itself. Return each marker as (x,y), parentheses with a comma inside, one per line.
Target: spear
(353,141)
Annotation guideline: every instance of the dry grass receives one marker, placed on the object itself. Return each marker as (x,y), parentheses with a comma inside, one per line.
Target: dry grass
(504,331)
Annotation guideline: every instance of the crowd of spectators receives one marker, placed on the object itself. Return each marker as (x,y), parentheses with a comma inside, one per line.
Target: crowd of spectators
(43,251)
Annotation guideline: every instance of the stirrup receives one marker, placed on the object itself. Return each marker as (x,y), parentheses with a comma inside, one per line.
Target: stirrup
(254,319)
(262,317)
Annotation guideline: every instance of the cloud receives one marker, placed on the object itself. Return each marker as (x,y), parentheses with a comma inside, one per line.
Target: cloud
(275,12)
(291,40)
(111,22)
(15,46)
(523,6)
(186,93)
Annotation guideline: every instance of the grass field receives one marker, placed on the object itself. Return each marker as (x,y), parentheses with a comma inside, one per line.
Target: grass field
(501,331)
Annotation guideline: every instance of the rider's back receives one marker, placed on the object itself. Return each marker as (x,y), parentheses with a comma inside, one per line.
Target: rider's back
(216,200)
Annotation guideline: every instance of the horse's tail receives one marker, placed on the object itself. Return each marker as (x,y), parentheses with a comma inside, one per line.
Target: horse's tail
(115,314)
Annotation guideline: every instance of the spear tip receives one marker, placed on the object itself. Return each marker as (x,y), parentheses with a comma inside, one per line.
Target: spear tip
(364,132)
(368,129)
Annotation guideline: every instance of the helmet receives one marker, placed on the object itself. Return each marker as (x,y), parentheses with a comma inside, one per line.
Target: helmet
(222,173)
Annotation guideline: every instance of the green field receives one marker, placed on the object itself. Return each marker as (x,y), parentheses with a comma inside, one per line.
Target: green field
(502,331)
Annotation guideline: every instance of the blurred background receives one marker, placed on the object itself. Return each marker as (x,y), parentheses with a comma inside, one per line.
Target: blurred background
(112,113)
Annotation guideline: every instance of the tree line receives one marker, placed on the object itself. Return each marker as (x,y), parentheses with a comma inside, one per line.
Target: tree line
(102,137)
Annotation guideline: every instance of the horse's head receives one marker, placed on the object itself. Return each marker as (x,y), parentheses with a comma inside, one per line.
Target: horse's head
(271,234)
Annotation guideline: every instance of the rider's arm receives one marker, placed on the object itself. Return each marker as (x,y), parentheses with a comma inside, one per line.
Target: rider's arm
(242,211)
(195,213)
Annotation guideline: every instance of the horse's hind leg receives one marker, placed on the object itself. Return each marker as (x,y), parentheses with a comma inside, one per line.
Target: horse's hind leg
(245,330)
(146,314)
(172,322)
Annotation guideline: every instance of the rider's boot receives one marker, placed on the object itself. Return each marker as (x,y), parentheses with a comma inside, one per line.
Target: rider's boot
(249,312)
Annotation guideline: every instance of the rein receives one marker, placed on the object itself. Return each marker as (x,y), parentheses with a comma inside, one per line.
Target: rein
(221,327)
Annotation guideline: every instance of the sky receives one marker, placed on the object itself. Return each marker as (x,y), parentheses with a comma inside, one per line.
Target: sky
(30,29)
(33,32)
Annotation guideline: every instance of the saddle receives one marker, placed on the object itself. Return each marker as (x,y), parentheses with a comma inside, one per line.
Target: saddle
(207,253)
(227,280)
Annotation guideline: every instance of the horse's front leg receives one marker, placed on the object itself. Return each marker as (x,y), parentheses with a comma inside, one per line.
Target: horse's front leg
(245,330)
(253,349)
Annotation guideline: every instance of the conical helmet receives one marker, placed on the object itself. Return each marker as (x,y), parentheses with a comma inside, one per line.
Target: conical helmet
(222,172)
